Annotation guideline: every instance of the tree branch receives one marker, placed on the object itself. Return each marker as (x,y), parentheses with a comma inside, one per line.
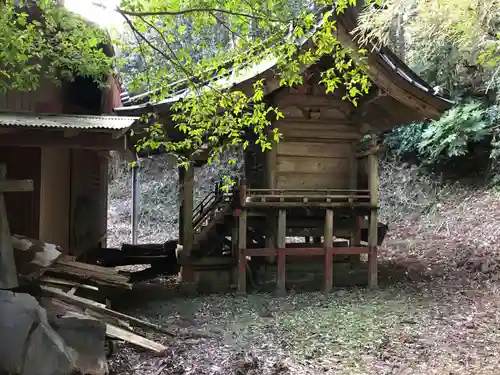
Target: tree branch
(197,10)
(223,24)
(139,34)
(175,60)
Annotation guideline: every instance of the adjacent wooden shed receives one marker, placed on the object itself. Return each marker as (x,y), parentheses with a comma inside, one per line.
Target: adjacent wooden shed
(61,142)
(314,183)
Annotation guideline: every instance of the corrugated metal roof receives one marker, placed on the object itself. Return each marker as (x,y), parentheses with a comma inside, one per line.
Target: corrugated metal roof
(86,122)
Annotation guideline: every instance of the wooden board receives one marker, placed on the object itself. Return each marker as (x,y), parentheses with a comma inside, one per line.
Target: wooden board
(311,181)
(308,100)
(68,283)
(301,164)
(133,338)
(312,149)
(16,186)
(112,330)
(68,261)
(327,131)
(324,135)
(325,113)
(342,126)
(291,112)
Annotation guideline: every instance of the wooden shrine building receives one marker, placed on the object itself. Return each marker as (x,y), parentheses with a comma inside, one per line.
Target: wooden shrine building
(314,182)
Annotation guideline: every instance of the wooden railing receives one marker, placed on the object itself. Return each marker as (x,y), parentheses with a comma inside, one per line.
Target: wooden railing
(303,197)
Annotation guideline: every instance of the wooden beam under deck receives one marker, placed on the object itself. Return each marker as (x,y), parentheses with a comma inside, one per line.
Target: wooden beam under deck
(307,204)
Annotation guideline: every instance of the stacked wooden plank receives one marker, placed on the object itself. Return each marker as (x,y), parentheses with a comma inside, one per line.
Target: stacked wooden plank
(35,258)
(61,278)
(118,326)
(66,267)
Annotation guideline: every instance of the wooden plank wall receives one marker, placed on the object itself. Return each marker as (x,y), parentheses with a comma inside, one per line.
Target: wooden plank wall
(47,98)
(317,147)
(87,201)
(255,166)
(315,154)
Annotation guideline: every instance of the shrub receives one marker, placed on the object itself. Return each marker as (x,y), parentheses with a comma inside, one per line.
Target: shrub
(444,140)
(451,135)
(404,140)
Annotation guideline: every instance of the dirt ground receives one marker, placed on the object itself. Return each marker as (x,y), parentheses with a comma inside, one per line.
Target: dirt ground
(437,310)
(418,323)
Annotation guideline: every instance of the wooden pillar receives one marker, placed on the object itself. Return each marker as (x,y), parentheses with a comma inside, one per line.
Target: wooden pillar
(8,269)
(373,221)
(234,236)
(355,234)
(135,202)
(186,185)
(271,234)
(242,242)
(357,231)
(271,159)
(281,244)
(242,245)
(328,246)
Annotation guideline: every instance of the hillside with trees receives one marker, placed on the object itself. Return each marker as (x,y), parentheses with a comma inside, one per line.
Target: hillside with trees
(461,62)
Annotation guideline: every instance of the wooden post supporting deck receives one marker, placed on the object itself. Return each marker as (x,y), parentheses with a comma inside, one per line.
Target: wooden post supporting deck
(373,222)
(357,231)
(355,235)
(234,235)
(281,243)
(242,242)
(328,245)
(271,235)
(8,269)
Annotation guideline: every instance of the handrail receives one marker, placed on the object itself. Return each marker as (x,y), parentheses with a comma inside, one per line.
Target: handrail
(205,201)
(209,205)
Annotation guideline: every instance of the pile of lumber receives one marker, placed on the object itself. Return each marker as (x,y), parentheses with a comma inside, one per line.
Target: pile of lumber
(119,326)
(63,281)
(36,258)
(66,267)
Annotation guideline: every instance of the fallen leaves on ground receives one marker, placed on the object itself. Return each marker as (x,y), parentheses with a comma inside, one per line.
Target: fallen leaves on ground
(429,328)
(437,312)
